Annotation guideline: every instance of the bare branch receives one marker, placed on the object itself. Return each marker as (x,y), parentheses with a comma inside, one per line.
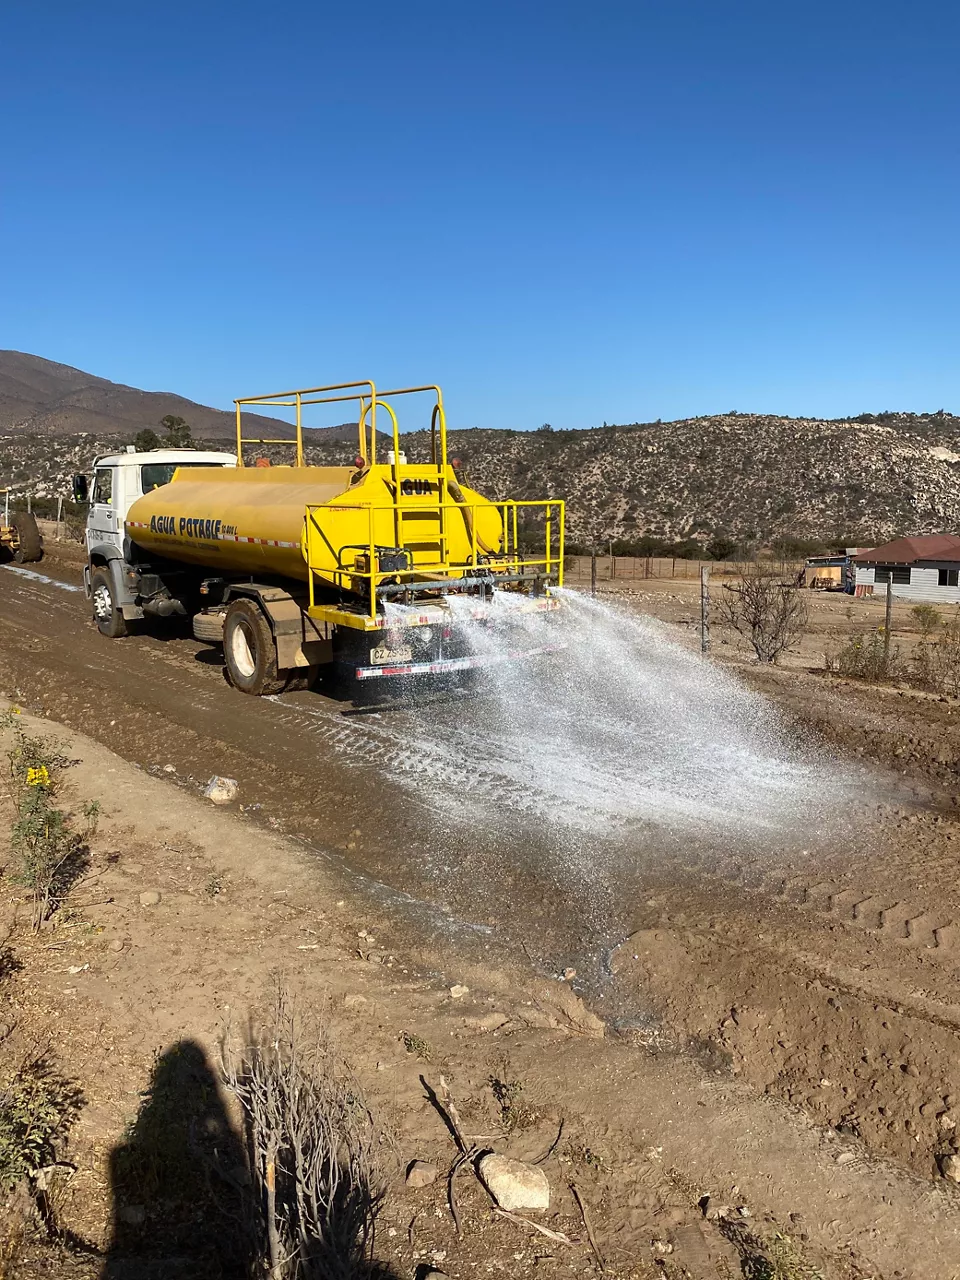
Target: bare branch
(760,606)
(312,1148)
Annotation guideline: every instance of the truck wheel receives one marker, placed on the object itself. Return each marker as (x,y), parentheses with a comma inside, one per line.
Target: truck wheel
(106,615)
(208,626)
(249,650)
(27,545)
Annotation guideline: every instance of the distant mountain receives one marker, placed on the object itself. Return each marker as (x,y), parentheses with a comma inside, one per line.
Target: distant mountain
(41,398)
(741,476)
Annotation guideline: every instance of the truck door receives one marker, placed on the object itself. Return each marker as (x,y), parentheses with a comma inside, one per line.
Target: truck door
(104,523)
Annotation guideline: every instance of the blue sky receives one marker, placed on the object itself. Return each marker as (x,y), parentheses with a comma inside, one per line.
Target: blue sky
(563,213)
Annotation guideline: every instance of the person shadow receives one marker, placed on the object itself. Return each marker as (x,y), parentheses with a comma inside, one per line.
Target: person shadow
(182,1199)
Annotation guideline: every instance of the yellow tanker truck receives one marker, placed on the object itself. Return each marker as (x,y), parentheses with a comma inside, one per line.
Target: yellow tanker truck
(378,570)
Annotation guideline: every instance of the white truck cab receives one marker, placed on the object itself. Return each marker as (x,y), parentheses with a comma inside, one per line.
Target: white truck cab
(119,479)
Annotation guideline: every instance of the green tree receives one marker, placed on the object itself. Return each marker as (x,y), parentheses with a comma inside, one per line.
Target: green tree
(721,547)
(179,434)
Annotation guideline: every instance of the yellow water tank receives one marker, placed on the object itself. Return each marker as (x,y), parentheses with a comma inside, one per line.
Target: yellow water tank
(252,519)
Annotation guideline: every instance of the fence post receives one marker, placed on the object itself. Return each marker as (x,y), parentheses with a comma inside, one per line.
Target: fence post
(704,608)
(29,507)
(593,574)
(59,515)
(887,624)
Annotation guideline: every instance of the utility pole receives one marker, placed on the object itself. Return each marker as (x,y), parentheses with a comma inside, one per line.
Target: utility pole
(704,608)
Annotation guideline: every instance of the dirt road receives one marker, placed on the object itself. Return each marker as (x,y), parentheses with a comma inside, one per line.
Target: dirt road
(816,957)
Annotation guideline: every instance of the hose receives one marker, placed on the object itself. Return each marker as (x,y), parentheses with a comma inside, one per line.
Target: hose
(456,493)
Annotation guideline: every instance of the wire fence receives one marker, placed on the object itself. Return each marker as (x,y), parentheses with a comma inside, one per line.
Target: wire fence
(644,568)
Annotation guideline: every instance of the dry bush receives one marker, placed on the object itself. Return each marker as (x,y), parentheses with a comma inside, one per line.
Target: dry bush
(926,618)
(865,657)
(936,660)
(312,1148)
(761,607)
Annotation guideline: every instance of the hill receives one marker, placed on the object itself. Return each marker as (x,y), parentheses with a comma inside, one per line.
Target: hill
(40,398)
(745,477)
(750,477)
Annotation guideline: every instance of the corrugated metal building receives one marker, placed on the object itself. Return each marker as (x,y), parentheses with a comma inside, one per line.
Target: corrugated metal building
(922,568)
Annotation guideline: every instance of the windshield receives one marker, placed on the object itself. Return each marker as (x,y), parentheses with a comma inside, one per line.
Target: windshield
(154,474)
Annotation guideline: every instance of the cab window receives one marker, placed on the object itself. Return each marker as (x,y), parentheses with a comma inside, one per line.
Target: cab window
(103,486)
(154,474)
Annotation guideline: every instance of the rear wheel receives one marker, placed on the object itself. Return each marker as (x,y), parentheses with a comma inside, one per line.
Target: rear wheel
(26,544)
(110,621)
(249,650)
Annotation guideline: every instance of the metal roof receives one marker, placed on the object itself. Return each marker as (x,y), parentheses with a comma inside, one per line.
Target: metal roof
(929,546)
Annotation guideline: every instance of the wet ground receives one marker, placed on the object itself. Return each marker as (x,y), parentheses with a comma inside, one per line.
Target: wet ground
(789,898)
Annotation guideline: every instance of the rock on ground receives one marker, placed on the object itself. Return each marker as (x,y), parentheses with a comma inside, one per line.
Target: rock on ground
(515,1184)
(420,1174)
(222,790)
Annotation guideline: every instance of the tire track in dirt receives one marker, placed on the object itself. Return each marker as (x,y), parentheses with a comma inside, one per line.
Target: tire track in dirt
(896,920)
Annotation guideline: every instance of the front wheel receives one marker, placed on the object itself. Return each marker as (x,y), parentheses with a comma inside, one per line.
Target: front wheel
(106,614)
(249,650)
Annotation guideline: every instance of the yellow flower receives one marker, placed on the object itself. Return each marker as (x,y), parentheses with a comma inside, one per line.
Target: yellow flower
(39,777)
(16,711)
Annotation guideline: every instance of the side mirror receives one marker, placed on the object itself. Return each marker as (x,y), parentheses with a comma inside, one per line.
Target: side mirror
(81,489)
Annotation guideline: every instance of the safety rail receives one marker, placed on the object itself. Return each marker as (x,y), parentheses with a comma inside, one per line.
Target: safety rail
(505,565)
(369,400)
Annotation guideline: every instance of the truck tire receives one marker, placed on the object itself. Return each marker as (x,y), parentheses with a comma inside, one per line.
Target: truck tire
(110,621)
(208,626)
(27,544)
(249,650)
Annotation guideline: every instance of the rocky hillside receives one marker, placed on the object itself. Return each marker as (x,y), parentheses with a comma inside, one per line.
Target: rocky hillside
(751,477)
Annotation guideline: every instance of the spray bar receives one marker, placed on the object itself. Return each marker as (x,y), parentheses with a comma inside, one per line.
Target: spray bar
(484,581)
(455,664)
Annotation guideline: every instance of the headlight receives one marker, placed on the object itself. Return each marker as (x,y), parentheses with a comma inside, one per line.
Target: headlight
(425,634)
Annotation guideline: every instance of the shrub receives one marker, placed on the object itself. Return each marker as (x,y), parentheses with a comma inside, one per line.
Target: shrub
(37,1108)
(49,854)
(936,660)
(864,658)
(769,612)
(927,618)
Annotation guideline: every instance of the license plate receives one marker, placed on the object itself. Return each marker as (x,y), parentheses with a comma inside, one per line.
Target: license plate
(391,657)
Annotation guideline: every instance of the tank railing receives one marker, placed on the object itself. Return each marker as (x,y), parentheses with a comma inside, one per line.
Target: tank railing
(437,414)
(507,560)
(316,395)
(282,399)
(373,438)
